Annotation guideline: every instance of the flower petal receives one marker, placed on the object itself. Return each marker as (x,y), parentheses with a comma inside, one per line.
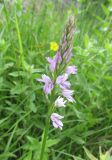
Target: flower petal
(55,125)
(71,70)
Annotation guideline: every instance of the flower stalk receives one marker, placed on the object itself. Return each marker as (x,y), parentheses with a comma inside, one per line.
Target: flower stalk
(45,134)
(58,65)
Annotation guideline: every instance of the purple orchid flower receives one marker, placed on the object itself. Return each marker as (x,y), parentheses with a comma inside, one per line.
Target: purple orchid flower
(56,120)
(71,70)
(49,85)
(68,94)
(62,81)
(53,62)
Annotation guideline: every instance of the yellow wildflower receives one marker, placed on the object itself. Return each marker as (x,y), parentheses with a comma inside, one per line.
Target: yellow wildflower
(54,46)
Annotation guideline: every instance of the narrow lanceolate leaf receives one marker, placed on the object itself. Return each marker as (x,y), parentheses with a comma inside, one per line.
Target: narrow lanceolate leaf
(89,154)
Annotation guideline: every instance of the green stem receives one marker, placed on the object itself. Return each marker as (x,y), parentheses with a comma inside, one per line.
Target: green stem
(20,43)
(6,15)
(44,142)
(45,134)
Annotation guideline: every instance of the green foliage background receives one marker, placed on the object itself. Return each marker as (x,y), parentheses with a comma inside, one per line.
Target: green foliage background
(26,30)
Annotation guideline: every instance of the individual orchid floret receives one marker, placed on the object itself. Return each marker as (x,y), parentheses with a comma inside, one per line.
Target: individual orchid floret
(71,70)
(60,102)
(62,81)
(58,57)
(68,94)
(53,62)
(56,120)
(49,85)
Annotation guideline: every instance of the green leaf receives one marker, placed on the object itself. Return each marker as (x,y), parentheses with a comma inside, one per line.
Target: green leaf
(32,107)
(37,155)
(33,144)
(78,158)
(17,73)
(8,65)
(77,139)
(6,155)
(105,9)
(3,120)
(28,156)
(52,142)
(18,89)
(89,154)
(86,41)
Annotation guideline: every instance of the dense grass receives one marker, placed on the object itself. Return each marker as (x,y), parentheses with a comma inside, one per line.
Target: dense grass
(25,35)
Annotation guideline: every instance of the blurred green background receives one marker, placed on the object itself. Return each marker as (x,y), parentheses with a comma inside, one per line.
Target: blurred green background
(26,30)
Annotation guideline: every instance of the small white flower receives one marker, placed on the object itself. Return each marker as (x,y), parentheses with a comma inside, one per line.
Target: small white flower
(60,102)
